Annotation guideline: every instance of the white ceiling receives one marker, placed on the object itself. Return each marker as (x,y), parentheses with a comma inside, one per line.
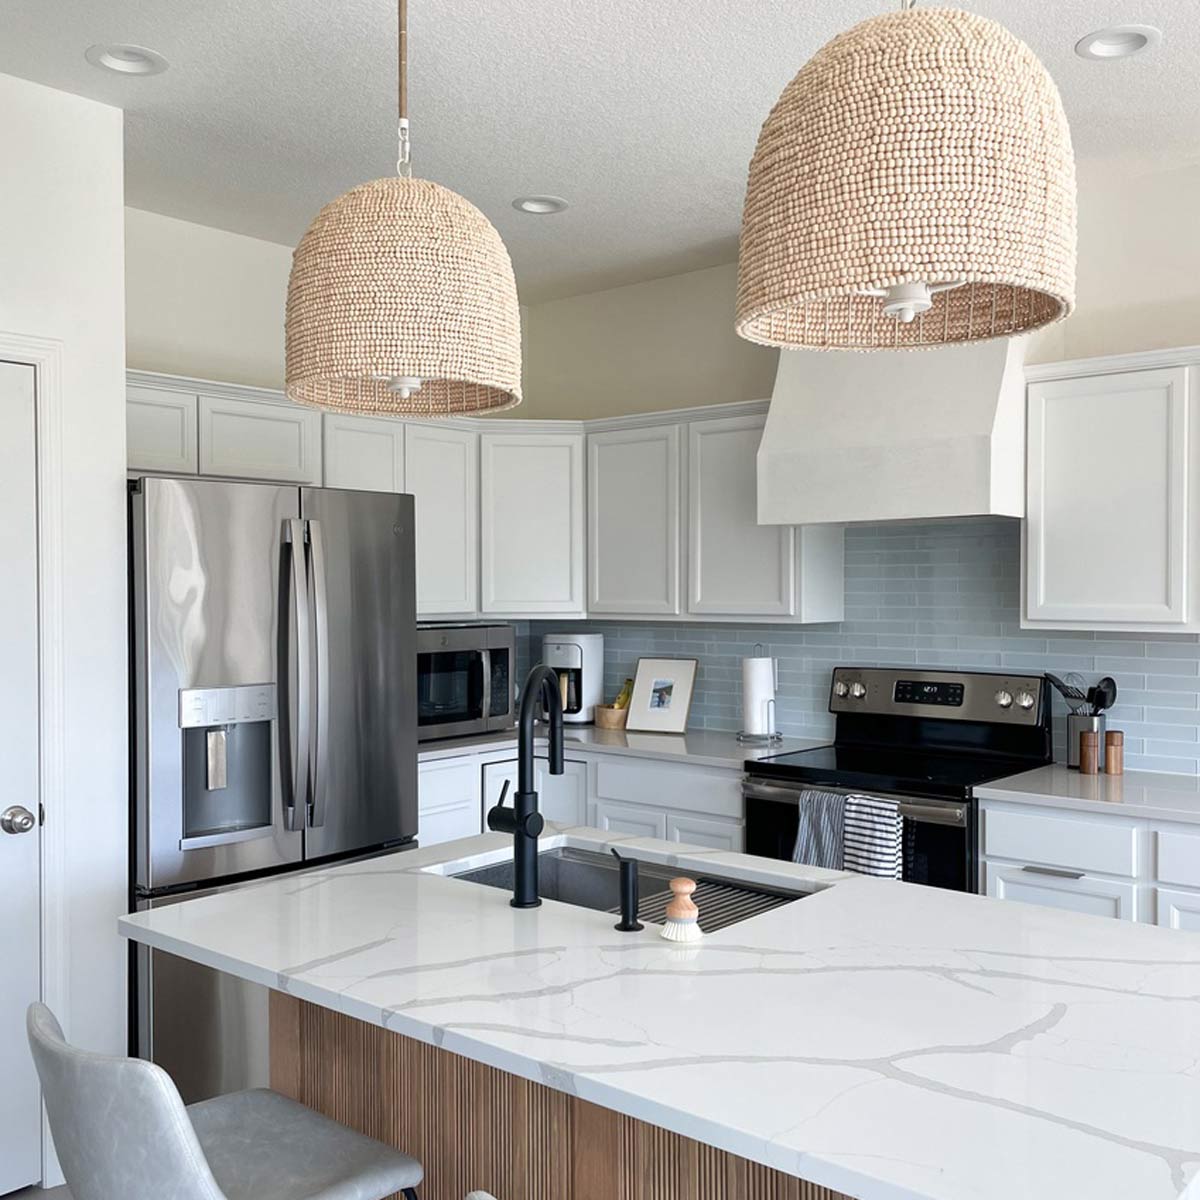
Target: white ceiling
(643,113)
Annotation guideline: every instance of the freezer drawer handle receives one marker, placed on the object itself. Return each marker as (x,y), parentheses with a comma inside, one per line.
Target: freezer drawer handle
(296,787)
(320,748)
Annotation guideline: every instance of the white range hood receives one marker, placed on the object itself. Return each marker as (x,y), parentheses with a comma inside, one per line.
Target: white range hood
(894,436)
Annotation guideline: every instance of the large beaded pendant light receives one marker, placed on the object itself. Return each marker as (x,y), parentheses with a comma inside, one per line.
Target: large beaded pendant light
(913,186)
(402,299)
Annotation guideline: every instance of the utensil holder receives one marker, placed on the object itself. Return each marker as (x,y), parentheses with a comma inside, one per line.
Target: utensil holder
(1078,723)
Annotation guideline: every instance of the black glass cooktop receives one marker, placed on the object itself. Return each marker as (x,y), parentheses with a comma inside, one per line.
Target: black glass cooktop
(886,769)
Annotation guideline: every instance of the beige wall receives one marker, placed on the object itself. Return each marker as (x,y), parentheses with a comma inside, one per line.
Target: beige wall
(203,302)
(61,254)
(207,303)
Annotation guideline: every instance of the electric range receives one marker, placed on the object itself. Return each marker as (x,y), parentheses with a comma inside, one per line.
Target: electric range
(926,738)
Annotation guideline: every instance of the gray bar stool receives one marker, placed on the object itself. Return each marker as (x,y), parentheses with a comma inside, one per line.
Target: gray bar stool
(123,1133)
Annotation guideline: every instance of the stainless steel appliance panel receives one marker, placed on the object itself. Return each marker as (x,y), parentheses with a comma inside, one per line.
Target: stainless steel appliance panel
(362,617)
(207,1029)
(465,680)
(208,565)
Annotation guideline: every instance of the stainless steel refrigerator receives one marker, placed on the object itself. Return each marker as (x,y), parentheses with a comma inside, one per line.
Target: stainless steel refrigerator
(274,696)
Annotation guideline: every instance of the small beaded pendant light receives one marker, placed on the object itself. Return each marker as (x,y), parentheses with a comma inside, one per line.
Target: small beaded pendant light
(402,299)
(913,186)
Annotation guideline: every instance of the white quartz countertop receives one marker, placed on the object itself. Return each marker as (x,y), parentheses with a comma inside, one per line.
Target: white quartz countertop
(1145,794)
(889,1041)
(698,747)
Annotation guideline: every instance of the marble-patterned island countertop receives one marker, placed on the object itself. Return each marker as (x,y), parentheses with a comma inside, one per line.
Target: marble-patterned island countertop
(889,1041)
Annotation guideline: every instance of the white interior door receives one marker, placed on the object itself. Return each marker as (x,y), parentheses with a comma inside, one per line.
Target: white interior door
(20,931)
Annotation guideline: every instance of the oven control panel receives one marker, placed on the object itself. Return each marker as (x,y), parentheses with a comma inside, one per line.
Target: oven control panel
(947,695)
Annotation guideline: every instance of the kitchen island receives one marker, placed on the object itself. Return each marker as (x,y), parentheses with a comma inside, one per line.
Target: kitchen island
(873,1039)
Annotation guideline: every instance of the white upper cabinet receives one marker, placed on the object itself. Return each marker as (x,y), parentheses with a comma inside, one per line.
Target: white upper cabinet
(735,565)
(531,523)
(633,520)
(1108,543)
(253,439)
(160,430)
(441,467)
(364,453)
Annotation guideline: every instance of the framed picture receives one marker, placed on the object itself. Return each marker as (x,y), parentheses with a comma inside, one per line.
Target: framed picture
(662,694)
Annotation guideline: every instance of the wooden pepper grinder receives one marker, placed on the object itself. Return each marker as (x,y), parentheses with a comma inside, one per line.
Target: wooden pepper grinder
(682,923)
(1114,752)
(1089,752)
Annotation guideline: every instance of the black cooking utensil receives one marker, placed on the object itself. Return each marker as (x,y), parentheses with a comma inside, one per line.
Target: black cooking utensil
(1103,696)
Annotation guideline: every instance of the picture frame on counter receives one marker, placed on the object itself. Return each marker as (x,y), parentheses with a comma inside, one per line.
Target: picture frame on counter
(662,695)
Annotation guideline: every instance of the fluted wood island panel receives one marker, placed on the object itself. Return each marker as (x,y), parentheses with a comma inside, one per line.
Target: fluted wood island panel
(474,1126)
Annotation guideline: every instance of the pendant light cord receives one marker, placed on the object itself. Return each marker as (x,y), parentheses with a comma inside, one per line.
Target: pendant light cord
(404,148)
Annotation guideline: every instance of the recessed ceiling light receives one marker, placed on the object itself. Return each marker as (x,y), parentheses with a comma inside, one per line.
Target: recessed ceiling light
(1118,41)
(126,60)
(539,205)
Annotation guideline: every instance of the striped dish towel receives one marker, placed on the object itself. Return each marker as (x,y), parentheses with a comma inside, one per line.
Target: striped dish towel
(874,836)
(819,832)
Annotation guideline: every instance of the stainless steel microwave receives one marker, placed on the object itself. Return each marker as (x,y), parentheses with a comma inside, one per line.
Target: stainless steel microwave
(465,679)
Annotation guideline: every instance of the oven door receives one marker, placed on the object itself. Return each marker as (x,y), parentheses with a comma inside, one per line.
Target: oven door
(939,835)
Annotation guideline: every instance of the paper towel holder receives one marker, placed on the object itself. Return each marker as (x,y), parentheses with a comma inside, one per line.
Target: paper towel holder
(762,739)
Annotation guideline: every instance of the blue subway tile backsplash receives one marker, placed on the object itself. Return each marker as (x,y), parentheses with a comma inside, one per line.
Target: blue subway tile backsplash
(932,594)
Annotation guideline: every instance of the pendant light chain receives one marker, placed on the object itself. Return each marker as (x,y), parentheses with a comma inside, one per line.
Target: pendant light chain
(404,146)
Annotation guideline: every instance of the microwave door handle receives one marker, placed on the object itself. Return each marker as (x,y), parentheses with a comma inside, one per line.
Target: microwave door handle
(485,663)
(295,756)
(320,741)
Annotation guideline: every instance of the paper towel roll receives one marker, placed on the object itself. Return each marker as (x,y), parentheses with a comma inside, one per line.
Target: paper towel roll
(758,695)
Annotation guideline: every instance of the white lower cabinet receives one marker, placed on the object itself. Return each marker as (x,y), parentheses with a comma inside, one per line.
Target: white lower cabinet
(633,820)
(1177,909)
(705,831)
(448,800)
(561,798)
(1056,888)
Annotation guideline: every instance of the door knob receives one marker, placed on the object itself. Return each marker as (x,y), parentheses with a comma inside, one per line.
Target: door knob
(17,819)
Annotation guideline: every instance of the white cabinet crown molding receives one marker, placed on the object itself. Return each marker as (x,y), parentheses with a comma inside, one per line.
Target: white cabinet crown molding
(1113,364)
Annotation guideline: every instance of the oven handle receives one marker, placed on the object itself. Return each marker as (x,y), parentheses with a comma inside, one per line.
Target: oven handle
(954,815)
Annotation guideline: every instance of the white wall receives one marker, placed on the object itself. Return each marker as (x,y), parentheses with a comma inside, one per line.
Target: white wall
(204,302)
(61,262)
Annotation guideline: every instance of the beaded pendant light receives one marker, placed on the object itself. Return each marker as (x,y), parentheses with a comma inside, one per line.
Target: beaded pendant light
(402,299)
(913,186)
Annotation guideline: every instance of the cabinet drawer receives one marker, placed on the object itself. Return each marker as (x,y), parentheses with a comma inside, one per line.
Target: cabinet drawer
(1177,855)
(448,800)
(633,820)
(642,781)
(1107,846)
(705,831)
(1076,893)
(1177,910)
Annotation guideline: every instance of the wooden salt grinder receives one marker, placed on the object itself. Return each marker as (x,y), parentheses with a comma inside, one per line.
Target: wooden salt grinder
(1114,752)
(1089,752)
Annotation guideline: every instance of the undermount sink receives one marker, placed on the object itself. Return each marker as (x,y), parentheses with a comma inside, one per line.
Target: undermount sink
(588,879)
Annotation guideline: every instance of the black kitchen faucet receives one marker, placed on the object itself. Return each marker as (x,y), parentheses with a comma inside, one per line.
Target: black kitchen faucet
(523,820)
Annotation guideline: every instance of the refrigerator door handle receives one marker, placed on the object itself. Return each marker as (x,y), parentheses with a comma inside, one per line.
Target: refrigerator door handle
(296,785)
(320,746)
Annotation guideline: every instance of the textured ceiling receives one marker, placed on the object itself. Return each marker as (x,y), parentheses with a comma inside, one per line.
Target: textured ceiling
(643,113)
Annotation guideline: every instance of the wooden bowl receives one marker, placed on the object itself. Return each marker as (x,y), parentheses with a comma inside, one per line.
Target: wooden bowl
(608,717)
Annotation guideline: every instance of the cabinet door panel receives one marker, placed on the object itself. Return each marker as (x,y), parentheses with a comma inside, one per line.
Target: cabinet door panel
(633,520)
(1120,556)
(704,831)
(1082,894)
(442,473)
(630,819)
(249,439)
(448,800)
(365,453)
(735,565)
(532,536)
(1178,910)
(562,798)
(160,429)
